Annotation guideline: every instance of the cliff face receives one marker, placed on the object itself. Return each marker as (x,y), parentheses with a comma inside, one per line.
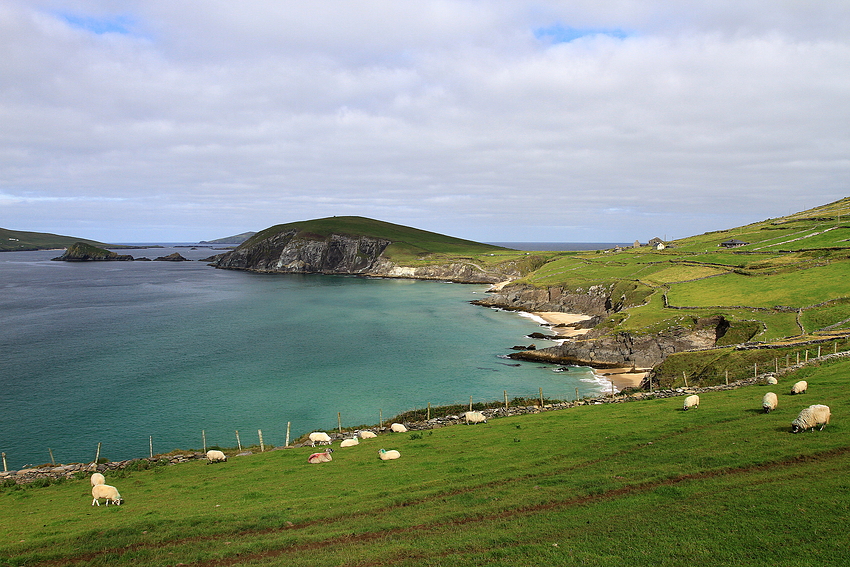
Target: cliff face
(284,253)
(623,349)
(595,301)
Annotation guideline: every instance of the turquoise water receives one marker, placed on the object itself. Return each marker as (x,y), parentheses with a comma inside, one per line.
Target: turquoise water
(119,352)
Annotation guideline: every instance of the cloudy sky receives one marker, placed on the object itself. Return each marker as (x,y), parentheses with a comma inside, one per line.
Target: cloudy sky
(502,120)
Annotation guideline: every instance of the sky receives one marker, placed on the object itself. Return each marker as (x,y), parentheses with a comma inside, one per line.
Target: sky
(496,121)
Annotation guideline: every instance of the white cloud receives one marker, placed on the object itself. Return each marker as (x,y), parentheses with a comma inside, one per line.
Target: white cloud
(446,115)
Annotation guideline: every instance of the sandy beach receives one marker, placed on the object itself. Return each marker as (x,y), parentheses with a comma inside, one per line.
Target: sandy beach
(621,377)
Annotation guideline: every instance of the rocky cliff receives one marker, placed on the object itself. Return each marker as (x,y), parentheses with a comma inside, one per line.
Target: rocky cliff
(596,300)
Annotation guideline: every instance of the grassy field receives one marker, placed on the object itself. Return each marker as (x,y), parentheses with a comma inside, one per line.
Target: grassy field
(640,483)
(17,240)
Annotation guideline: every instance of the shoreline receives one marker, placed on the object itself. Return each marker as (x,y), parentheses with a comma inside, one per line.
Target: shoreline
(621,377)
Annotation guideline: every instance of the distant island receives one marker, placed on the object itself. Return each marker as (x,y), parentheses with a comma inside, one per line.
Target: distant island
(235,239)
(17,240)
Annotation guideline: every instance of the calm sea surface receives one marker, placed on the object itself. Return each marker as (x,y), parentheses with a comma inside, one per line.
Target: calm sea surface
(117,352)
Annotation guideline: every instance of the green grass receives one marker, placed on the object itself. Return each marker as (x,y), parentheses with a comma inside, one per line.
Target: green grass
(642,483)
(17,240)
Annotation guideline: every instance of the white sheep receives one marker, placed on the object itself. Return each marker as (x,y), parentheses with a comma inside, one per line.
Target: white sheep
(350,442)
(691,401)
(800,387)
(474,417)
(388,455)
(368,435)
(769,402)
(99,491)
(398,428)
(215,456)
(771,380)
(320,438)
(97,478)
(324,457)
(811,417)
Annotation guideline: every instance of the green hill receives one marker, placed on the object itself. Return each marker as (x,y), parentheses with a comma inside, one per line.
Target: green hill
(639,483)
(406,242)
(16,240)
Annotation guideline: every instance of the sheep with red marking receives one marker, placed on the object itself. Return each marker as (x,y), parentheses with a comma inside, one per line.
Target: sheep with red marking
(324,457)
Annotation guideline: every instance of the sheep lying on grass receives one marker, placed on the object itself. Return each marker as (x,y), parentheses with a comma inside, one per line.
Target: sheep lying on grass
(320,438)
(368,435)
(214,456)
(321,457)
(769,402)
(97,478)
(811,417)
(388,455)
(691,401)
(474,417)
(398,428)
(771,380)
(349,442)
(800,387)
(110,493)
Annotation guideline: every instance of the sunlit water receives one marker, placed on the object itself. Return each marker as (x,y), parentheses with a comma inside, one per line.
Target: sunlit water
(119,352)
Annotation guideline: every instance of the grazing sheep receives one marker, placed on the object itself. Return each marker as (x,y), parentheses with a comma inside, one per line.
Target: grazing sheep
(320,438)
(97,478)
(691,401)
(800,387)
(388,455)
(811,417)
(368,435)
(99,491)
(474,417)
(321,457)
(769,402)
(350,442)
(214,456)
(398,428)
(771,380)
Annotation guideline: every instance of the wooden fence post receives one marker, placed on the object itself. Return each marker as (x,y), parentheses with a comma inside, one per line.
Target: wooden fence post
(204,438)
(238,442)
(818,351)
(727,376)
(381,418)
(541,398)
(5,469)
(339,422)
(685,377)
(577,393)
(428,418)
(49,450)
(97,456)
(470,403)
(150,444)
(288,423)
(505,392)
(262,445)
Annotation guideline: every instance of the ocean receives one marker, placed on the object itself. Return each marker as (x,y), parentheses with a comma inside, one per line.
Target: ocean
(131,353)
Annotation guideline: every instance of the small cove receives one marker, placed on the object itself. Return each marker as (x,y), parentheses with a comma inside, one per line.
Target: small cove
(118,352)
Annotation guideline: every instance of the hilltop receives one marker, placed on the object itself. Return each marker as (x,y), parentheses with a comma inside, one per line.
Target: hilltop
(16,240)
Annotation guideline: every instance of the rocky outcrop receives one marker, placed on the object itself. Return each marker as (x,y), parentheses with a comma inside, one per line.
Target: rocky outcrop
(596,300)
(175,257)
(628,349)
(460,272)
(285,252)
(82,252)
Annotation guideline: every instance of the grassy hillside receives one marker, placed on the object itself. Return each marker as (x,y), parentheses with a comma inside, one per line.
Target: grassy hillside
(16,240)
(406,241)
(640,483)
(789,280)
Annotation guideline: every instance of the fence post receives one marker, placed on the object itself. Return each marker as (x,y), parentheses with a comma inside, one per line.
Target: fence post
(470,403)
(577,393)
(541,398)
(429,412)
(150,444)
(381,418)
(49,450)
(238,442)
(339,422)
(818,351)
(776,365)
(4,463)
(807,355)
(262,446)
(97,456)
(727,376)
(204,437)
(288,423)
(685,377)
(755,369)
(505,392)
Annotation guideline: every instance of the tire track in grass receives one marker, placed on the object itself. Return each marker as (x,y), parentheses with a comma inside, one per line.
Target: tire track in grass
(366,537)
